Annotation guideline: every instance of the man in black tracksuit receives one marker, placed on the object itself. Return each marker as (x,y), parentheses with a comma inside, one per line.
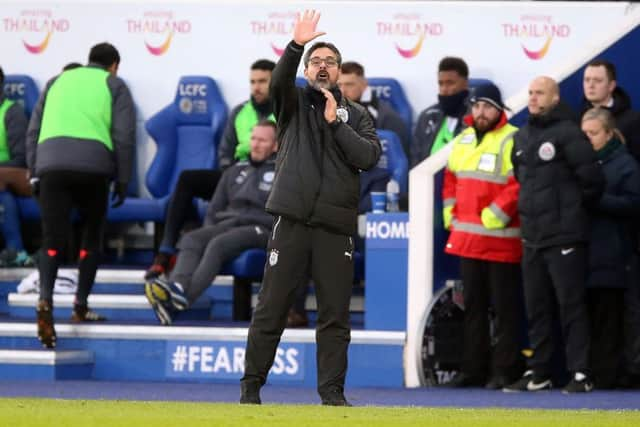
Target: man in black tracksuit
(324,141)
(559,175)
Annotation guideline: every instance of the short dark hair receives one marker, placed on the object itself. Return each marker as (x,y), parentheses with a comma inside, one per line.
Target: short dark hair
(453,63)
(320,45)
(264,65)
(352,67)
(608,67)
(1,79)
(71,66)
(104,54)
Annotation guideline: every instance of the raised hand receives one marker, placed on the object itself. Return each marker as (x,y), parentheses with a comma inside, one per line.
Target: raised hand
(330,107)
(305,29)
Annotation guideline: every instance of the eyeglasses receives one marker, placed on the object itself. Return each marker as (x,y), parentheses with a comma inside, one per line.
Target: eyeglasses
(330,62)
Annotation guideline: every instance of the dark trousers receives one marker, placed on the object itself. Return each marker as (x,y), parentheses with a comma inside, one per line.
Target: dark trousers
(632,319)
(293,251)
(556,275)
(204,251)
(606,318)
(60,192)
(485,284)
(191,184)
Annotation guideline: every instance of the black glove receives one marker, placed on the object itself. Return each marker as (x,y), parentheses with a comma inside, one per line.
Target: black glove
(119,194)
(35,186)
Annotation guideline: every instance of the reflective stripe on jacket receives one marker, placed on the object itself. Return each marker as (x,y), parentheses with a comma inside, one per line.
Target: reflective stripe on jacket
(481,196)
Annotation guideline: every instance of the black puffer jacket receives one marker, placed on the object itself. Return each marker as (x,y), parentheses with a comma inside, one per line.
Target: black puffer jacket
(317,168)
(627,120)
(559,175)
(611,243)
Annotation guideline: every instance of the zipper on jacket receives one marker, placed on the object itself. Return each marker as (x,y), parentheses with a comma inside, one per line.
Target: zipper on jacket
(275,227)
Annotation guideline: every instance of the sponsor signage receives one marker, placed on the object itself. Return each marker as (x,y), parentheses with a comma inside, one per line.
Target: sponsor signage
(225,360)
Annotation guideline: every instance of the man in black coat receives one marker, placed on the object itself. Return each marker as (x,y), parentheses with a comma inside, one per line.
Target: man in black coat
(601,90)
(324,141)
(440,122)
(559,176)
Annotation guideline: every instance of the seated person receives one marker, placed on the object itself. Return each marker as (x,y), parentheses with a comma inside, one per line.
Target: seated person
(353,85)
(236,221)
(13,179)
(373,180)
(234,146)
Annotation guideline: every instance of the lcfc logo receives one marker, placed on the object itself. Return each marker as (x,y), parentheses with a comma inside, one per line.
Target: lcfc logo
(36,28)
(409,32)
(159,29)
(536,33)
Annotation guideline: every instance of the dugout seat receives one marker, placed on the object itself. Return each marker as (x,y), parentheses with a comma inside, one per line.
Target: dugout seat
(393,158)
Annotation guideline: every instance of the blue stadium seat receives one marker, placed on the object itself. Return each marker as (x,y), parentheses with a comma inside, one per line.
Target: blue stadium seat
(390,90)
(394,159)
(23,89)
(249,265)
(301,81)
(186,133)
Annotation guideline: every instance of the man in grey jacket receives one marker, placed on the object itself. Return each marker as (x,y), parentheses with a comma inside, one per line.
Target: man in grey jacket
(81,137)
(235,221)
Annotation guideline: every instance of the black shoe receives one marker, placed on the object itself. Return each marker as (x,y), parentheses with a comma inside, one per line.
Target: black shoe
(529,382)
(334,397)
(250,393)
(498,382)
(46,330)
(464,380)
(580,383)
(82,313)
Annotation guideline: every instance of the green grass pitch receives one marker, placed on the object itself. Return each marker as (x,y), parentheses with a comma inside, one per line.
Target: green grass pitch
(50,412)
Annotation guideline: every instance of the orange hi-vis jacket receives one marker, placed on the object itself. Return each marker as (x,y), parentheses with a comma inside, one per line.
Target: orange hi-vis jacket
(480,196)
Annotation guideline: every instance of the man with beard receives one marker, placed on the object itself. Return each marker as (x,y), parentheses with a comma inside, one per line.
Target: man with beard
(559,179)
(325,140)
(480,208)
(234,146)
(438,124)
(601,90)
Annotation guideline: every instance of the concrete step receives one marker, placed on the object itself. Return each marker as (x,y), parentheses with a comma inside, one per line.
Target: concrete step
(113,306)
(46,364)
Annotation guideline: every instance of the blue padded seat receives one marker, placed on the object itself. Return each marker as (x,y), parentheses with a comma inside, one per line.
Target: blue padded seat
(393,158)
(23,89)
(186,133)
(249,265)
(390,90)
